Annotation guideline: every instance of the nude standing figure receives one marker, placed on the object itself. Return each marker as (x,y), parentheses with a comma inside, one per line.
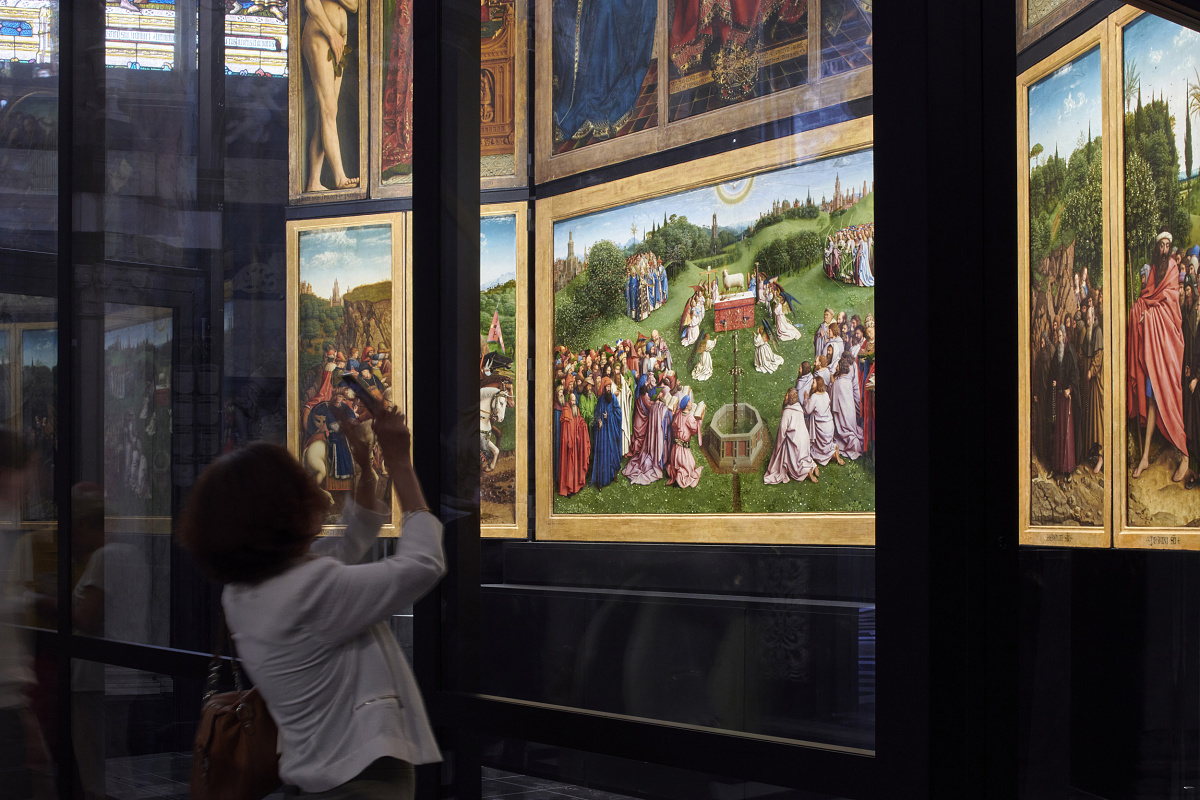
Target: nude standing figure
(324,31)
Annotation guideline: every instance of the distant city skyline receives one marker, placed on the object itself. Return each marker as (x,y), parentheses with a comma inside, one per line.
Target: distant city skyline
(497,248)
(1165,55)
(1064,105)
(40,347)
(353,256)
(725,200)
(138,333)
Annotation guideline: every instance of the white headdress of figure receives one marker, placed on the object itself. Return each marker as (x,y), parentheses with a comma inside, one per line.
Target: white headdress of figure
(1164,235)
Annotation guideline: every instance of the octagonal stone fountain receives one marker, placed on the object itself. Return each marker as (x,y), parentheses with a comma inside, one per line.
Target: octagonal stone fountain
(740,449)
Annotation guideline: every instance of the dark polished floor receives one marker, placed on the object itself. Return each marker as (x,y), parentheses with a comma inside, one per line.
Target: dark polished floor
(165,776)
(511,786)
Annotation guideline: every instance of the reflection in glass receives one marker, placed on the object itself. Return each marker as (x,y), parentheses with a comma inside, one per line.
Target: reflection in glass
(132,731)
(29,124)
(847,40)
(37,401)
(137,410)
(139,34)
(256,38)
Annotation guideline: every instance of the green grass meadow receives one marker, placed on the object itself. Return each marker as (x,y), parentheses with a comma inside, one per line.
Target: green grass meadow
(849,488)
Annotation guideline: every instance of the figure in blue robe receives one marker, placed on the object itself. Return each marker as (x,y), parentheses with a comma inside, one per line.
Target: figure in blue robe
(601,53)
(631,294)
(668,437)
(865,276)
(341,461)
(662,271)
(606,440)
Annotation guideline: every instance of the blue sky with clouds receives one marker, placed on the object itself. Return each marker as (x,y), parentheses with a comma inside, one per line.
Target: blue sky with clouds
(354,256)
(1165,54)
(497,247)
(39,347)
(698,205)
(1063,104)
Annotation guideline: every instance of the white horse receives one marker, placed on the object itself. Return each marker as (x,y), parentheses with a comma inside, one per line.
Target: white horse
(735,281)
(493,401)
(315,460)
(317,455)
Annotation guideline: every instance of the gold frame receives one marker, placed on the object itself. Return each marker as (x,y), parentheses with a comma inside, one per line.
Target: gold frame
(521,505)
(376,79)
(520,176)
(296,115)
(16,387)
(816,93)
(401,224)
(810,528)
(1027,35)
(1125,535)
(1062,535)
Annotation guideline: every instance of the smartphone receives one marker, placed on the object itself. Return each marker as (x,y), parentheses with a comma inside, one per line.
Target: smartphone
(373,404)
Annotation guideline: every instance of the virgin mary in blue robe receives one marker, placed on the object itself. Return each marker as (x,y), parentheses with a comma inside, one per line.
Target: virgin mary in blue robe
(606,450)
(602,50)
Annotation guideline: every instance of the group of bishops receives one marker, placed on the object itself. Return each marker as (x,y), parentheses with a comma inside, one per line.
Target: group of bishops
(645,285)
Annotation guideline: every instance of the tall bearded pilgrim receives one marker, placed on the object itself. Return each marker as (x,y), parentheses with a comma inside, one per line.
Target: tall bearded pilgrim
(1154,355)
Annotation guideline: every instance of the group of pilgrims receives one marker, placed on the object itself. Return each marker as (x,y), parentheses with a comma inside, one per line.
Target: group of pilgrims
(622,410)
(645,285)
(1068,394)
(850,255)
(623,402)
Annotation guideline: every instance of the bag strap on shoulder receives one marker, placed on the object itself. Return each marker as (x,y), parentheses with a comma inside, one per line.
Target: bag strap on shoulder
(224,640)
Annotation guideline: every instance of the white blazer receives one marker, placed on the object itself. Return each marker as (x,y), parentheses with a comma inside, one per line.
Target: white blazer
(315,642)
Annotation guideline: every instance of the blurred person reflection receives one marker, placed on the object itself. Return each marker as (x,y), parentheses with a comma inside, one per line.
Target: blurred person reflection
(24,761)
(111,599)
(309,618)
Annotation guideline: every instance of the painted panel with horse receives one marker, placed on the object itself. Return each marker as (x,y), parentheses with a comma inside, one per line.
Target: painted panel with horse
(503,355)
(346,293)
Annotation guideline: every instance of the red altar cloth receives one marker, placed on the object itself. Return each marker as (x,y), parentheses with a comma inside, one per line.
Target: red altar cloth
(735,311)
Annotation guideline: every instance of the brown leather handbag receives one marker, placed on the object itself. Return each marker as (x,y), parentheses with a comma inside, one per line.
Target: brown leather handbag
(235,755)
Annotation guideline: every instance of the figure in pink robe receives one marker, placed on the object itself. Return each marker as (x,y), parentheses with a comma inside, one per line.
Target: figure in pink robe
(846,404)
(641,418)
(1154,357)
(792,460)
(681,466)
(647,466)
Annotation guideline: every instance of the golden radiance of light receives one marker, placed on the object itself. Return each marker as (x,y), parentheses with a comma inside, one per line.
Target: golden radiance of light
(734,192)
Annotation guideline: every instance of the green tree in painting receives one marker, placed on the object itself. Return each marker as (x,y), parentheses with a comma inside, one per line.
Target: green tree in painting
(1035,152)
(1187,145)
(1082,213)
(601,294)
(1141,217)
(1132,81)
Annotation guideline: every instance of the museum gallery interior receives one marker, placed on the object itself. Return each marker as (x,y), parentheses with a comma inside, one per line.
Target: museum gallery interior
(671,572)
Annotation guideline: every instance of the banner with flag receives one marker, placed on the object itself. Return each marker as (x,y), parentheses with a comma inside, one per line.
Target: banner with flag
(494,334)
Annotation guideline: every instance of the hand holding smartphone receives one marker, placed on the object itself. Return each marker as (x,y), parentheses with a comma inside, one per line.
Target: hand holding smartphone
(373,404)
